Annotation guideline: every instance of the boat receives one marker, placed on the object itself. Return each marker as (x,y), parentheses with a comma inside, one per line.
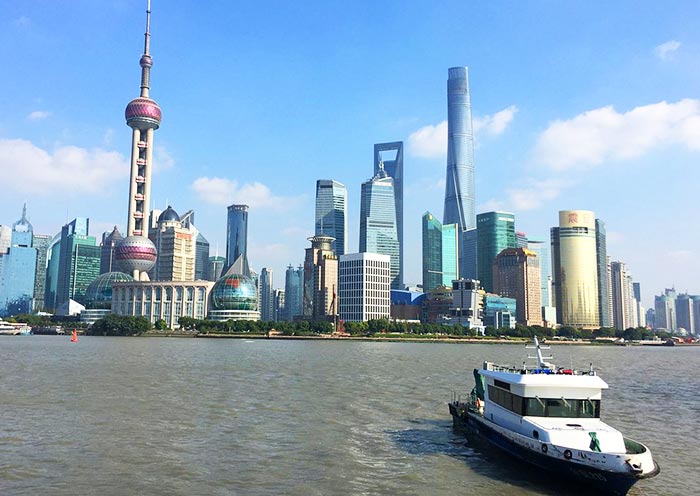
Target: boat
(550,417)
(14,329)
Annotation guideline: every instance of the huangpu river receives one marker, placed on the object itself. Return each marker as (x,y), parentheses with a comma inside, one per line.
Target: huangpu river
(165,416)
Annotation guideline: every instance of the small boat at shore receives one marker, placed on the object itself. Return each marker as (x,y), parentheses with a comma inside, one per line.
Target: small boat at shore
(550,418)
(14,329)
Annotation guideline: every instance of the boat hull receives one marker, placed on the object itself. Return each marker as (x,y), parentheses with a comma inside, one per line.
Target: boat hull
(606,481)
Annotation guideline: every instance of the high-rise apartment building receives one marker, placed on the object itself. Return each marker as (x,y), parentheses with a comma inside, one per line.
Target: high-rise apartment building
(237,234)
(604,276)
(267,300)
(685,315)
(495,232)
(293,292)
(5,239)
(440,253)
(665,310)
(619,289)
(378,233)
(389,157)
(331,213)
(460,196)
(364,282)
(516,274)
(575,269)
(320,280)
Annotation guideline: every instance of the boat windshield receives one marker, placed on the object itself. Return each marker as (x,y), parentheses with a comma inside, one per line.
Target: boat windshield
(549,407)
(544,407)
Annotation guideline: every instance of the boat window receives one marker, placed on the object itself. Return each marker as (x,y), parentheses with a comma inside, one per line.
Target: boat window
(561,407)
(501,384)
(534,407)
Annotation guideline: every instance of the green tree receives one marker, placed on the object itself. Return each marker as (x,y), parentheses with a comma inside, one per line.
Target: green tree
(161,325)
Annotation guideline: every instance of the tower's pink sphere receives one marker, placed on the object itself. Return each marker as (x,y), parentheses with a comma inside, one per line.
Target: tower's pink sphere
(135,253)
(143,113)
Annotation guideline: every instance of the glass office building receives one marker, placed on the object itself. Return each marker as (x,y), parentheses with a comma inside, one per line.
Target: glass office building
(495,232)
(293,292)
(331,213)
(389,156)
(460,194)
(440,253)
(18,270)
(237,234)
(378,232)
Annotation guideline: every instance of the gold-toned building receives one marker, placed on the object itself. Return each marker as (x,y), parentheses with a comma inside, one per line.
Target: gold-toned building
(516,274)
(574,264)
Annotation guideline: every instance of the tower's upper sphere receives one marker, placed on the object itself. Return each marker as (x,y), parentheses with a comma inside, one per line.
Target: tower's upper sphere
(146,60)
(135,253)
(143,113)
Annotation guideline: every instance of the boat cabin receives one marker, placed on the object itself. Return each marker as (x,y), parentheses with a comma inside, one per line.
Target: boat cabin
(549,405)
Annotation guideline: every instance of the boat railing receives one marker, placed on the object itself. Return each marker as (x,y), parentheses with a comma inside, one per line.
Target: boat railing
(535,370)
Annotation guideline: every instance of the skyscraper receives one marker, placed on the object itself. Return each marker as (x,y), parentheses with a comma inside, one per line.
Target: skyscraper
(201,249)
(378,232)
(494,233)
(460,194)
(620,296)
(320,279)
(604,292)
(267,299)
(331,213)
(393,166)
(293,292)
(574,264)
(364,287)
(542,250)
(41,243)
(215,268)
(440,253)
(176,246)
(516,274)
(79,261)
(665,310)
(237,234)
(136,254)
(109,244)
(18,271)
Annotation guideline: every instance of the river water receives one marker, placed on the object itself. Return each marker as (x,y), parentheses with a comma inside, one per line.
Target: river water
(164,416)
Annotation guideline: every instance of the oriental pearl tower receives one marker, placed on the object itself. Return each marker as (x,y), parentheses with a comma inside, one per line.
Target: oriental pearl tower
(136,254)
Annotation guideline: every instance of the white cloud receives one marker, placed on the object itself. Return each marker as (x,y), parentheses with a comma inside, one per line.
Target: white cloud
(665,50)
(495,124)
(431,141)
(26,168)
(38,115)
(603,134)
(490,205)
(534,193)
(221,191)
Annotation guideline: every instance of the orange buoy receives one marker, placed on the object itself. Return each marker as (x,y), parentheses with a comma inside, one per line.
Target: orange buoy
(74,336)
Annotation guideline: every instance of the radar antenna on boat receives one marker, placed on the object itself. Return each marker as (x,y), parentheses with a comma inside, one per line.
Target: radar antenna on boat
(541,359)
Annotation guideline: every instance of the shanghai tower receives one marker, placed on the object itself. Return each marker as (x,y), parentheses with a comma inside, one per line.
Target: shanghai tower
(459,185)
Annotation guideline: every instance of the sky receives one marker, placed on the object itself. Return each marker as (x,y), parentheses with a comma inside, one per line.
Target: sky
(576,105)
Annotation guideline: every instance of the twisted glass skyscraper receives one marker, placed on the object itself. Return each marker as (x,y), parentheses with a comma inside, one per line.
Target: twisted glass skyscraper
(459,185)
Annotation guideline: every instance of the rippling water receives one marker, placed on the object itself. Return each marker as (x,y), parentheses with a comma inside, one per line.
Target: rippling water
(161,416)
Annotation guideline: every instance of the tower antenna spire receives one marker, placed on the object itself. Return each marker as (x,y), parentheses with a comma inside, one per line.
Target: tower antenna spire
(146,60)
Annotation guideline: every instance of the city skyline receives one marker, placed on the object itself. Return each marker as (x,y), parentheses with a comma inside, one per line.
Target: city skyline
(65,127)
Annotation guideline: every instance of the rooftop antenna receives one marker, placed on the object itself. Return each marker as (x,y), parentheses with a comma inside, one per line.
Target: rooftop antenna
(146,61)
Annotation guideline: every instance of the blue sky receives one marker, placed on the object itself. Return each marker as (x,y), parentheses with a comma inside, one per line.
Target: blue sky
(590,105)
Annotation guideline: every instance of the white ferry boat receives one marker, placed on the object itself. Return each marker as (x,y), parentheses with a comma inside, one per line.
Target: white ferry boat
(550,417)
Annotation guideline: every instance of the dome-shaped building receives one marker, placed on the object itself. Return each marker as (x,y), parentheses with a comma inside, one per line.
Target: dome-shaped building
(98,296)
(234,297)
(99,293)
(168,215)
